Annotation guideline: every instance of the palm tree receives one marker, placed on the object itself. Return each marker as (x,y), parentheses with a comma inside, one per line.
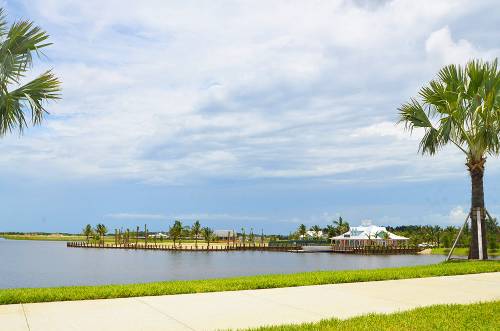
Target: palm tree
(243,236)
(461,107)
(17,45)
(195,231)
(251,237)
(175,231)
(341,225)
(302,231)
(88,231)
(101,230)
(207,234)
(316,229)
(330,230)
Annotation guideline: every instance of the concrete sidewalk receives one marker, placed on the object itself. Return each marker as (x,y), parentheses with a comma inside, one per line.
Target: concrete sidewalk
(243,309)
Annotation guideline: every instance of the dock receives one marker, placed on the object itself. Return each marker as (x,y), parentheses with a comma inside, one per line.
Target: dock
(190,248)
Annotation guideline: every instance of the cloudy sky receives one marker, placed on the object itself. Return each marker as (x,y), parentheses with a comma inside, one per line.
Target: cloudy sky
(262,114)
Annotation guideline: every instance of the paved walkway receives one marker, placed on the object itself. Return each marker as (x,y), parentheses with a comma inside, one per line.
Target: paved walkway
(242,309)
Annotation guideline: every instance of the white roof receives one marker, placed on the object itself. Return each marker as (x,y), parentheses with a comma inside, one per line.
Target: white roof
(368,232)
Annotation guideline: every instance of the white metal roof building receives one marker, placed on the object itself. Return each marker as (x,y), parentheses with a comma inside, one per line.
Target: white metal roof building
(359,236)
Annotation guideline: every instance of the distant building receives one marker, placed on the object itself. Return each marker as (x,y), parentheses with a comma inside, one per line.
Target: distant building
(312,234)
(223,234)
(360,236)
(160,235)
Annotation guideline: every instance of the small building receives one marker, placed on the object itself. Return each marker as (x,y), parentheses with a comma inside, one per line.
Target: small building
(361,236)
(312,234)
(159,235)
(224,234)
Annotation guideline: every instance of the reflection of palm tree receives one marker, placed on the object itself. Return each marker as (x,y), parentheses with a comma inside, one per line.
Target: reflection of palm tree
(461,107)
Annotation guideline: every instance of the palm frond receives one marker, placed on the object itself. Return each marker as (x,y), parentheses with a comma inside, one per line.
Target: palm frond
(31,96)
(413,115)
(22,39)
(464,103)
(3,23)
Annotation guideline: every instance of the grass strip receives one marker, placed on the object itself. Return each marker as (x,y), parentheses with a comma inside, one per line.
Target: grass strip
(477,316)
(26,295)
(462,251)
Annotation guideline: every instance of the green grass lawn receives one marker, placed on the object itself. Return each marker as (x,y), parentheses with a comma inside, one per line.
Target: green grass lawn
(110,239)
(479,316)
(43,237)
(10,296)
(462,251)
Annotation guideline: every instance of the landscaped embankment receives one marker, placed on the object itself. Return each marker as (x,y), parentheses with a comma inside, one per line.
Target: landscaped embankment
(25,295)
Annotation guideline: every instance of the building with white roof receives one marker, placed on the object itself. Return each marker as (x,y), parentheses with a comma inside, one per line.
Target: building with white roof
(360,236)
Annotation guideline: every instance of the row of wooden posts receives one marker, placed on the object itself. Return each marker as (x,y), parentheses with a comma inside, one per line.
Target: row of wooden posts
(165,247)
(123,237)
(375,249)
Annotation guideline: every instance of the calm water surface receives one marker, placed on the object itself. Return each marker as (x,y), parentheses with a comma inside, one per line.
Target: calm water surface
(43,264)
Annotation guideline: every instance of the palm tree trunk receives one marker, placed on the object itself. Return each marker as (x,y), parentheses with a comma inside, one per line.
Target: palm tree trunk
(476,170)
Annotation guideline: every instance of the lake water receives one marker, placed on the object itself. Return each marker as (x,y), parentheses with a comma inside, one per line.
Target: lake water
(45,264)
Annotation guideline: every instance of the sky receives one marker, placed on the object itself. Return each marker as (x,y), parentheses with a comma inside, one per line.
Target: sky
(262,114)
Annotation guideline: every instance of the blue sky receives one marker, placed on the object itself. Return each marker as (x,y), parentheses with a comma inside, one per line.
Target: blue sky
(263,114)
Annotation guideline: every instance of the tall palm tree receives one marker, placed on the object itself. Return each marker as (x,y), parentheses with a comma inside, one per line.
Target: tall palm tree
(195,231)
(207,234)
(461,107)
(101,230)
(87,231)
(18,97)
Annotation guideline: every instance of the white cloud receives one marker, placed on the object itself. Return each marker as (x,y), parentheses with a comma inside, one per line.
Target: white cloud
(457,215)
(441,45)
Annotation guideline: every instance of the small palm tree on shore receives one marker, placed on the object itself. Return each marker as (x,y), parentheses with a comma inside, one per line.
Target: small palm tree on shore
(302,231)
(88,231)
(175,231)
(195,232)
(461,107)
(316,229)
(207,234)
(341,225)
(101,230)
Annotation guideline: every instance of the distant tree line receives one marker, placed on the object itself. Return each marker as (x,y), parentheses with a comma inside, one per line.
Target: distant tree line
(438,236)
